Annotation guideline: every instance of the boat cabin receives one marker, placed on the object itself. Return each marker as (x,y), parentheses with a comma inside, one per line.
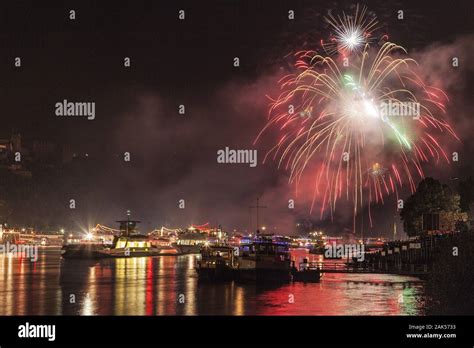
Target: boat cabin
(266,245)
(215,256)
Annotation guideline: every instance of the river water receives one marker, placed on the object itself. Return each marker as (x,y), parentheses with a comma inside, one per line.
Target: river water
(168,285)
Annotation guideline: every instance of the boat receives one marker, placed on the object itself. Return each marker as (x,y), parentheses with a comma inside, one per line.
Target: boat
(190,242)
(11,236)
(263,259)
(373,243)
(85,249)
(129,243)
(217,263)
(195,238)
(307,272)
(30,237)
(317,242)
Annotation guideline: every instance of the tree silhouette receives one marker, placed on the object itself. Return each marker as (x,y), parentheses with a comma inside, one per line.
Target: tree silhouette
(430,197)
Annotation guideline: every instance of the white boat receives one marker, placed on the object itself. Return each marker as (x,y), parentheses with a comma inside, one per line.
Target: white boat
(128,244)
(190,242)
(193,239)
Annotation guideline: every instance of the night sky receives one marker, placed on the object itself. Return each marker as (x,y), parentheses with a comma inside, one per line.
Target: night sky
(190,62)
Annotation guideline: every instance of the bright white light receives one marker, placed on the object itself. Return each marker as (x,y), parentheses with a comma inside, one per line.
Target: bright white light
(351,39)
(357,103)
(351,31)
(89,236)
(370,108)
(360,108)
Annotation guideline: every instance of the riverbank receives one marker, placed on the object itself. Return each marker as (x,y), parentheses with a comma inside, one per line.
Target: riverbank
(450,286)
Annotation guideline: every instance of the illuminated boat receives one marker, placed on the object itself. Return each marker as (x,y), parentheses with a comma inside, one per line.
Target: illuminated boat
(29,237)
(196,237)
(129,243)
(374,243)
(217,263)
(190,242)
(265,259)
(261,260)
(10,236)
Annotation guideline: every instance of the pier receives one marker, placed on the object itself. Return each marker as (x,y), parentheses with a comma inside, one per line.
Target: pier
(410,257)
(347,267)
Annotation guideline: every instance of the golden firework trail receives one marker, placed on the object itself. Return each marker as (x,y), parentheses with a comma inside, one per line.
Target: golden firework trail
(341,120)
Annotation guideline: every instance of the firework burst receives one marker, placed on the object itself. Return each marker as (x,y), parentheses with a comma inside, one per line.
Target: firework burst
(331,117)
(350,32)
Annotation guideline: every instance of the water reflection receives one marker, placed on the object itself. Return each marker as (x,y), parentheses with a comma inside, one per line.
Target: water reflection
(169,286)
(345,294)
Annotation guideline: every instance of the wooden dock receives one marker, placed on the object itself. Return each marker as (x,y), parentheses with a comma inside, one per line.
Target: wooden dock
(365,268)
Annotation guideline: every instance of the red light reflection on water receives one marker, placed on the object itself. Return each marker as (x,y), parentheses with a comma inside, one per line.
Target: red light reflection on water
(155,286)
(342,294)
